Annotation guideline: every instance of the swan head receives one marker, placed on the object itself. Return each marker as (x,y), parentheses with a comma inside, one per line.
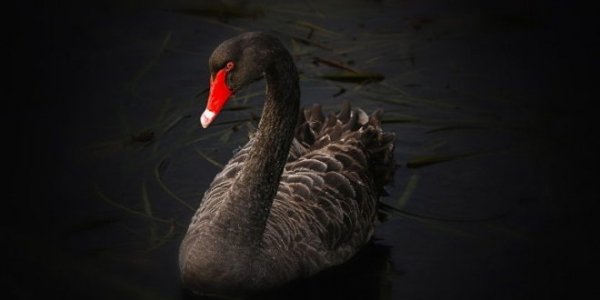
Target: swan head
(236,63)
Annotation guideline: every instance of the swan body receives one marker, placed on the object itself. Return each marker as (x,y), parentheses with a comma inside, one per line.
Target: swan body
(299,197)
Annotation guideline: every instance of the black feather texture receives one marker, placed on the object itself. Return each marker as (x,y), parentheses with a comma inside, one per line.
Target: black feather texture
(295,199)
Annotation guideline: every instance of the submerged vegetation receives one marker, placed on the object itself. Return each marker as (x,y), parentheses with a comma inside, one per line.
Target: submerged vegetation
(362,65)
(161,162)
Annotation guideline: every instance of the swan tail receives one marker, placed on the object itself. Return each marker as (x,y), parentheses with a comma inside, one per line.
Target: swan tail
(353,126)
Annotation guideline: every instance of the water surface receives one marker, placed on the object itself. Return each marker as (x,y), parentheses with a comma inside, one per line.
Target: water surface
(116,163)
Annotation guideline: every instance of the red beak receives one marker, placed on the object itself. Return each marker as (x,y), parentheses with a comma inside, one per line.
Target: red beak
(217,97)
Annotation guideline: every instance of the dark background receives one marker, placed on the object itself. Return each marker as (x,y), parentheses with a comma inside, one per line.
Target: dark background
(49,84)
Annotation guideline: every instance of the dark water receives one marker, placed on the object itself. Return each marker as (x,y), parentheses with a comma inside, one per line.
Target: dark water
(107,160)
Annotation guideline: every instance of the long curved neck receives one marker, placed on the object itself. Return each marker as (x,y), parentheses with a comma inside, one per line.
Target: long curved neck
(246,209)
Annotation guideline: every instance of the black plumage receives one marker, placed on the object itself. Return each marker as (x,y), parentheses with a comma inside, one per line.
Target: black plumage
(299,197)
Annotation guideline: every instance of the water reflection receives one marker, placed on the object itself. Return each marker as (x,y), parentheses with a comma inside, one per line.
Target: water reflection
(365,276)
(115,159)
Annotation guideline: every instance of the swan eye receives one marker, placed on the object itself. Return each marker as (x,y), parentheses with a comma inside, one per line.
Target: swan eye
(228,67)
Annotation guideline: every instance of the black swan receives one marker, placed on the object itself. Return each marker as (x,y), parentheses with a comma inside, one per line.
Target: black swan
(299,197)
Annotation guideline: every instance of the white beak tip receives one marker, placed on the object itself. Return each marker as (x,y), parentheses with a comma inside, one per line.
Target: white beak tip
(207,118)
